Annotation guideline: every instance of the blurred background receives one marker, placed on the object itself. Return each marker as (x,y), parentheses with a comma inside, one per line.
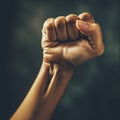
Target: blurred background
(93,92)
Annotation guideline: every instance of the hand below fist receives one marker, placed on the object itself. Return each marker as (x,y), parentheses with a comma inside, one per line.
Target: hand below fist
(72,39)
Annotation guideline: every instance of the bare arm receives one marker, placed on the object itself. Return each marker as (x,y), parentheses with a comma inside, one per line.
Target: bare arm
(44,95)
(66,42)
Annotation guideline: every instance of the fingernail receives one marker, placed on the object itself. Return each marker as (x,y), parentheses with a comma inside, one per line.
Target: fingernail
(82,24)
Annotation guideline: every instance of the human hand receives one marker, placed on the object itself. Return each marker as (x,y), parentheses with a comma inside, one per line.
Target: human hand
(72,39)
(66,41)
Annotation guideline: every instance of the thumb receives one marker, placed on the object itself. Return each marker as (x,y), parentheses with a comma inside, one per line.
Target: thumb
(94,34)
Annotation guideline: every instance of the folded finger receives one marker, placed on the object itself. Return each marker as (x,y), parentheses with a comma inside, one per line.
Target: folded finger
(60,27)
(48,31)
(72,31)
(87,17)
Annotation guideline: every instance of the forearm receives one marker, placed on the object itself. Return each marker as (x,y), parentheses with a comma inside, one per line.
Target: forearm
(31,103)
(45,93)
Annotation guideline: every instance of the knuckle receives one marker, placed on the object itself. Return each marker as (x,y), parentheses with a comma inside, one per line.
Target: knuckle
(49,23)
(60,21)
(71,18)
(86,16)
(60,18)
(87,13)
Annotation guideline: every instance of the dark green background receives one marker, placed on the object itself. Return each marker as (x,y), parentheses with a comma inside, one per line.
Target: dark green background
(93,92)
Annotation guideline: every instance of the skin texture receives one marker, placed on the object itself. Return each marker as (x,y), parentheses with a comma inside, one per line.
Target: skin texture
(67,42)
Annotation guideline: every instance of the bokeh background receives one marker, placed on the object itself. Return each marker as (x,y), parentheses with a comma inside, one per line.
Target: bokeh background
(93,92)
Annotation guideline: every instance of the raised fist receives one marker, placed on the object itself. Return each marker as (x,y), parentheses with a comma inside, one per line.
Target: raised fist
(72,39)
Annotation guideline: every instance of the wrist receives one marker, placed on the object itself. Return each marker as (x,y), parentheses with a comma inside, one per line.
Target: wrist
(63,68)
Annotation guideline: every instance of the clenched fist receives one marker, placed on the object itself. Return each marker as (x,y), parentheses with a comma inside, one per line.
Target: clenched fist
(72,39)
